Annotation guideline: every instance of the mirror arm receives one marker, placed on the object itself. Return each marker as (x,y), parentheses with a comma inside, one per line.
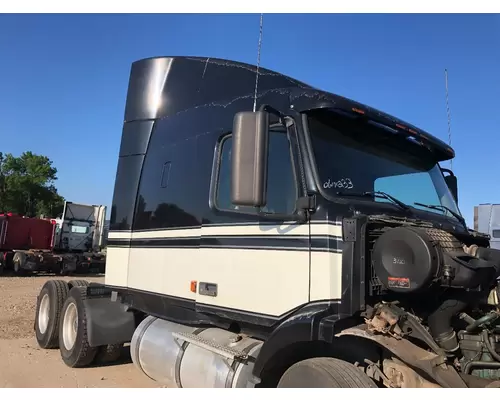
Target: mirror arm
(453,187)
(271,110)
(306,206)
(449,171)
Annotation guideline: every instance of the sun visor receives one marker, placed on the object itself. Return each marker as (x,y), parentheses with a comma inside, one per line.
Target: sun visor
(317,100)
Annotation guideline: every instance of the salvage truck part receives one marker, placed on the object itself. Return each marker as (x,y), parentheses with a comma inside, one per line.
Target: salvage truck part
(314,242)
(71,244)
(80,232)
(26,246)
(36,260)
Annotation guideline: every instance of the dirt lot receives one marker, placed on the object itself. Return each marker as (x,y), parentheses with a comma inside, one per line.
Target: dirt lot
(24,365)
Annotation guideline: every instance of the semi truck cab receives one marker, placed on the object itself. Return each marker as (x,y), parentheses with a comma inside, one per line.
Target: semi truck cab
(286,239)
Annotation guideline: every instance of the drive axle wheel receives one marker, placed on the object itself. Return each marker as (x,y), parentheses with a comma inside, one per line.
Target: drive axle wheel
(78,282)
(48,309)
(18,262)
(325,373)
(73,337)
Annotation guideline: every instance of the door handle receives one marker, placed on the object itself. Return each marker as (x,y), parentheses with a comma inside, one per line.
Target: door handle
(207,289)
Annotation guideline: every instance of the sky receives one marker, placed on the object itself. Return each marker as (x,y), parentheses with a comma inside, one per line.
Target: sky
(63,80)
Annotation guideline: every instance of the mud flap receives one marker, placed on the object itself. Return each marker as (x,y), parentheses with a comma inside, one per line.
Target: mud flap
(108,322)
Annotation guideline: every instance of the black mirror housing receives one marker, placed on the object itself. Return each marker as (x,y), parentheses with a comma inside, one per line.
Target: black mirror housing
(452,182)
(249,158)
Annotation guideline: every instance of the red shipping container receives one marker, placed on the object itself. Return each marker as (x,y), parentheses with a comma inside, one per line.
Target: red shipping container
(18,233)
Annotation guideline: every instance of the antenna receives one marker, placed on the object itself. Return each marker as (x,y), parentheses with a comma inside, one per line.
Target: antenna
(258,62)
(448,112)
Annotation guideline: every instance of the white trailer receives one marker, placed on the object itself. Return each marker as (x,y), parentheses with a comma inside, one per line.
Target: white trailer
(487,220)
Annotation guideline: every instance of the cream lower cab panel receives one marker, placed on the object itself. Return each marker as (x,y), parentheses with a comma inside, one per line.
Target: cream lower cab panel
(326,276)
(117,263)
(163,271)
(270,282)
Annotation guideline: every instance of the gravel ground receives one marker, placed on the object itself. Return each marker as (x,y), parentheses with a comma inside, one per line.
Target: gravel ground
(24,365)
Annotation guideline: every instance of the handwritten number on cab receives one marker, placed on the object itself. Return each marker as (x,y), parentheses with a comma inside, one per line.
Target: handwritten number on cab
(344,183)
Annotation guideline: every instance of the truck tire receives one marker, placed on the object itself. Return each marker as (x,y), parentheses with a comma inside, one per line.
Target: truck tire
(325,373)
(48,310)
(74,346)
(78,282)
(18,262)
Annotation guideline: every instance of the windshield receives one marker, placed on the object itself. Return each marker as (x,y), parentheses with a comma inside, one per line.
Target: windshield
(362,157)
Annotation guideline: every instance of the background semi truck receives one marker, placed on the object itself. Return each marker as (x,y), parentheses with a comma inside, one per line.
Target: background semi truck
(63,245)
(265,233)
(487,221)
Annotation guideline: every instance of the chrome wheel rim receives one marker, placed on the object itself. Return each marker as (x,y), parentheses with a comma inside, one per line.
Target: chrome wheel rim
(70,326)
(43,314)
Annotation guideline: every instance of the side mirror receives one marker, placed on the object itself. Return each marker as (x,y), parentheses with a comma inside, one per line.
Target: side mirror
(452,182)
(249,158)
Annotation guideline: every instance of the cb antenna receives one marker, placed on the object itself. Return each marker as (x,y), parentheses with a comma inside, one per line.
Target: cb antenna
(258,63)
(448,112)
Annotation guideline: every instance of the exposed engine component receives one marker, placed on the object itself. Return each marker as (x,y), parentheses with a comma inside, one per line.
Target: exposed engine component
(475,349)
(388,318)
(480,346)
(439,321)
(479,351)
(182,356)
(494,297)
(411,259)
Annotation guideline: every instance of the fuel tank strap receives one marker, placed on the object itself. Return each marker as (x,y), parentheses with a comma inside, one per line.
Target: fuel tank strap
(183,346)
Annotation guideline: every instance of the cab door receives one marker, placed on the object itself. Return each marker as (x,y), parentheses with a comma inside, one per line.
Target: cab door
(251,265)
